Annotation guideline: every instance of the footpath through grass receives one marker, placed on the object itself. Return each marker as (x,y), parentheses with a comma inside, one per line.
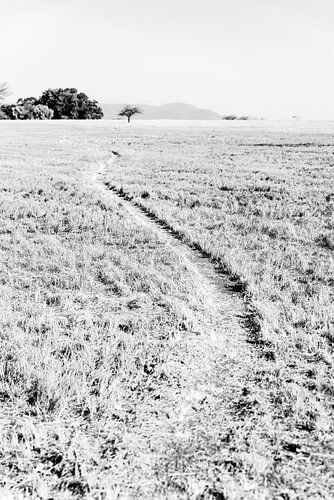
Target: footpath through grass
(101,328)
(117,378)
(261,201)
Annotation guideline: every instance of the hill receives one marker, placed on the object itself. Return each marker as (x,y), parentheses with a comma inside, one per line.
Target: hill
(173,111)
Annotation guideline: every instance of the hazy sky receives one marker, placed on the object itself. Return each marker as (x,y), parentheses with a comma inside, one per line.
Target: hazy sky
(272,58)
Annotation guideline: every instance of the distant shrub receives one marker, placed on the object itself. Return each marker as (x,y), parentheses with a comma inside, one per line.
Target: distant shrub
(26,101)
(234,117)
(3,114)
(229,117)
(12,112)
(16,112)
(20,112)
(42,112)
(25,112)
(24,108)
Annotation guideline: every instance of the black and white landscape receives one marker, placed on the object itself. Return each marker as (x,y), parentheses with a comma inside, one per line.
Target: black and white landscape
(166,270)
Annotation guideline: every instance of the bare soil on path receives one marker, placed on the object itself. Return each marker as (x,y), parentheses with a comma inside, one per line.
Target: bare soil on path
(165,317)
(221,431)
(225,432)
(222,291)
(204,417)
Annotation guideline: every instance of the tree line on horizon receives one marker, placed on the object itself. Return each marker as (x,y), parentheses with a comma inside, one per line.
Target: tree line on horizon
(56,104)
(65,104)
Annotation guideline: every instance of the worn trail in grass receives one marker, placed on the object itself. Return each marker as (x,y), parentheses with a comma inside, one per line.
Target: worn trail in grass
(127,370)
(222,290)
(265,458)
(208,414)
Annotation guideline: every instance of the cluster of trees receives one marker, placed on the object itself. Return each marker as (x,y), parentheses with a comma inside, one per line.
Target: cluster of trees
(25,110)
(57,104)
(234,117)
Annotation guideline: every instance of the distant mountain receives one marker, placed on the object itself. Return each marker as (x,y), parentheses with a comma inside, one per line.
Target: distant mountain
(173,111)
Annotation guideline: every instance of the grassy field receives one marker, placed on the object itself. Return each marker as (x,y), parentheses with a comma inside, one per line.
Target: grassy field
(259,200)
(117,379)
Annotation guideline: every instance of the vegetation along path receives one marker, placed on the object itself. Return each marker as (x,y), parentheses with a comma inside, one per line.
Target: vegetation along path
(133,363)
(204,418)
(222,290)
(225,431)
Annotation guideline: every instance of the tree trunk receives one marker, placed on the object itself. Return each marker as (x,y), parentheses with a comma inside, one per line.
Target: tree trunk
(129,117)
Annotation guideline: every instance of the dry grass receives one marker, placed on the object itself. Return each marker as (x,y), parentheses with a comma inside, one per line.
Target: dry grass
(260,200)
(97,319)
(113,382)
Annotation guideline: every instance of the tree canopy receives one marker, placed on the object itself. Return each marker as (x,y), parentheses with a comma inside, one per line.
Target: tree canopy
(129,111)
(70,104)
(56,103)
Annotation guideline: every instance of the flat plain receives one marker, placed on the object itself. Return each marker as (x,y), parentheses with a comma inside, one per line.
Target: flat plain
(119,376)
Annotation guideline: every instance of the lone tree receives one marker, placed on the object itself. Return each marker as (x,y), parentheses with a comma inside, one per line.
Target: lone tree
(129,111)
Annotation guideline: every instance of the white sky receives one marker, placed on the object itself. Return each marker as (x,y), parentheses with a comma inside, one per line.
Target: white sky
(271,58)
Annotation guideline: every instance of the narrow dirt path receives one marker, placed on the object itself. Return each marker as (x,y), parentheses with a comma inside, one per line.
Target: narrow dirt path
(230,432)
(221,290)
(205,423)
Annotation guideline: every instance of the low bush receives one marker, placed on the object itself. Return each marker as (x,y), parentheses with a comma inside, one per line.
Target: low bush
(25,112)
(42,112)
